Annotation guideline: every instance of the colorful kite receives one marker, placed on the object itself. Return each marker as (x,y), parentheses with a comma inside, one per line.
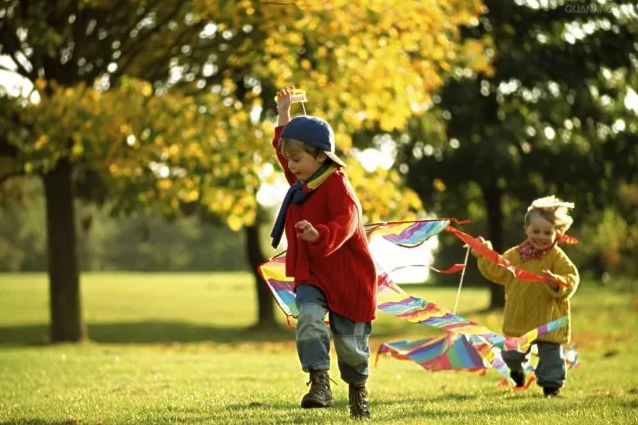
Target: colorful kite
(455,351)
(466,345)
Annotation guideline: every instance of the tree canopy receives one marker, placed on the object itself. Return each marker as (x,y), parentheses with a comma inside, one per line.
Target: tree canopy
(553,117)
(167,105)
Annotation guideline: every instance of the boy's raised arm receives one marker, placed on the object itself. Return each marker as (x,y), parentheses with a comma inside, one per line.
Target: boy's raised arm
(283,111)
(284,103)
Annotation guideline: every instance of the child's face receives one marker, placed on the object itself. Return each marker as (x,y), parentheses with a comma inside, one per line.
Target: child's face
(302,164)
(540,232)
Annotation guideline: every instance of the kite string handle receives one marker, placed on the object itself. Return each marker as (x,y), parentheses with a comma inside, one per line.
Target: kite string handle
(458,293)
(298,96)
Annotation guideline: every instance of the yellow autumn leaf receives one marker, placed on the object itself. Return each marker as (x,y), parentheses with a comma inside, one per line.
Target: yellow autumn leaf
(234,222)
(164,184)
(364,64)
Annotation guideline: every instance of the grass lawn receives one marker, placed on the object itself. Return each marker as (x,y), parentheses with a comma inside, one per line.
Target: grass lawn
(171,348)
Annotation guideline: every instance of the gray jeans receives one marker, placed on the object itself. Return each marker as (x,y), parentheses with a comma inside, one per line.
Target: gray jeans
(550,371)
(313,338)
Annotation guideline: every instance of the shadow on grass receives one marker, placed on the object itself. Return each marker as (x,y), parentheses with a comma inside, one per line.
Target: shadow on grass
(445,397)
(454,410)
(42,422)
(202,418)
(442,407)
(149,332)
(340,403)
(160,332)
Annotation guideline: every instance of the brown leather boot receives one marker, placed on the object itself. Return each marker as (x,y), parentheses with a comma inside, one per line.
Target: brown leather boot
(319,394)
(359,403)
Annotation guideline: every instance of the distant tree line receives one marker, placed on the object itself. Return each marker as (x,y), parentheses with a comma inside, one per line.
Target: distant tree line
(105,243)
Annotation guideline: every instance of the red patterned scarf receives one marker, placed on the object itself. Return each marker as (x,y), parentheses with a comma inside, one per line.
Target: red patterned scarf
(526,250)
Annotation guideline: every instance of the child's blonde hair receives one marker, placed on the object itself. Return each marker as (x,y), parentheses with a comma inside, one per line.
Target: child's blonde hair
(288,144)
(552,209)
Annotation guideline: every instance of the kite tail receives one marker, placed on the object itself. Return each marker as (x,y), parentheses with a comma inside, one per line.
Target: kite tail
(497,259)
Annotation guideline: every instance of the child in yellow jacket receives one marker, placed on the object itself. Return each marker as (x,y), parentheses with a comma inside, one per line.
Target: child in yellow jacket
(531,304)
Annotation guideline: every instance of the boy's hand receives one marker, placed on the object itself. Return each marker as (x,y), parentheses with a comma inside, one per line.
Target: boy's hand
(306,231)
(283,105)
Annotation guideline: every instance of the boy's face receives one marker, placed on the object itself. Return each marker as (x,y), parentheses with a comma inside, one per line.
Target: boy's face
(540,232)
(302,164)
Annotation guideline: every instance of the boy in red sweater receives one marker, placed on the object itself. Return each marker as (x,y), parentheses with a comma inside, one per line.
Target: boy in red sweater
(328,257)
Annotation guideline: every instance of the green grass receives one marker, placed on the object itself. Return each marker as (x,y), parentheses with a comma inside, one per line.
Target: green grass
(171,348)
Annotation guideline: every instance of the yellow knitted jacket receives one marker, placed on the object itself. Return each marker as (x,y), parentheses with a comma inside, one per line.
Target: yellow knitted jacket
(529,305)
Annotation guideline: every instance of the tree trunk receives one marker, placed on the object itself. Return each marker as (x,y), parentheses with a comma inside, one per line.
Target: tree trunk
(64,279)
(493,197)
(265,303)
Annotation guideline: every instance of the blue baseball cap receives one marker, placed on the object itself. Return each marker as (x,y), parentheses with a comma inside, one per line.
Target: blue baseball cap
(315,132)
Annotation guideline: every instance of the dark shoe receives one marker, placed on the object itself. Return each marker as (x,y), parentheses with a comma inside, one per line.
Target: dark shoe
(519,378)
(552,392)
(319,394)
(359,404)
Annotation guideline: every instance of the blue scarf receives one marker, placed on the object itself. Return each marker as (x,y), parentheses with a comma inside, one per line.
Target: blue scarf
(297,194)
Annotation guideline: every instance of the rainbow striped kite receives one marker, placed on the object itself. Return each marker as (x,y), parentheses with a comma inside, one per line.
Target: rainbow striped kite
(466,345)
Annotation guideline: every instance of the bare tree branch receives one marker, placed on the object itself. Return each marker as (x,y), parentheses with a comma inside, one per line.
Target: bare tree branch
(147,34)
(3,67)
(12,45)
(188,32)
(185,34)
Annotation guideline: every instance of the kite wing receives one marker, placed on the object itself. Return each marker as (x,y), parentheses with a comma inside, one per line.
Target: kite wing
(409,234)
(466,345)
(273,272)
(446,352)
(456,351)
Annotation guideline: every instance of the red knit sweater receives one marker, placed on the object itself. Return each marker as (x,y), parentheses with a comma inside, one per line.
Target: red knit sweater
(339,262)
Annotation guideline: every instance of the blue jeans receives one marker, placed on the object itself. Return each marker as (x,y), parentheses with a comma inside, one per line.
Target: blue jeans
(313,338)
(550,371)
